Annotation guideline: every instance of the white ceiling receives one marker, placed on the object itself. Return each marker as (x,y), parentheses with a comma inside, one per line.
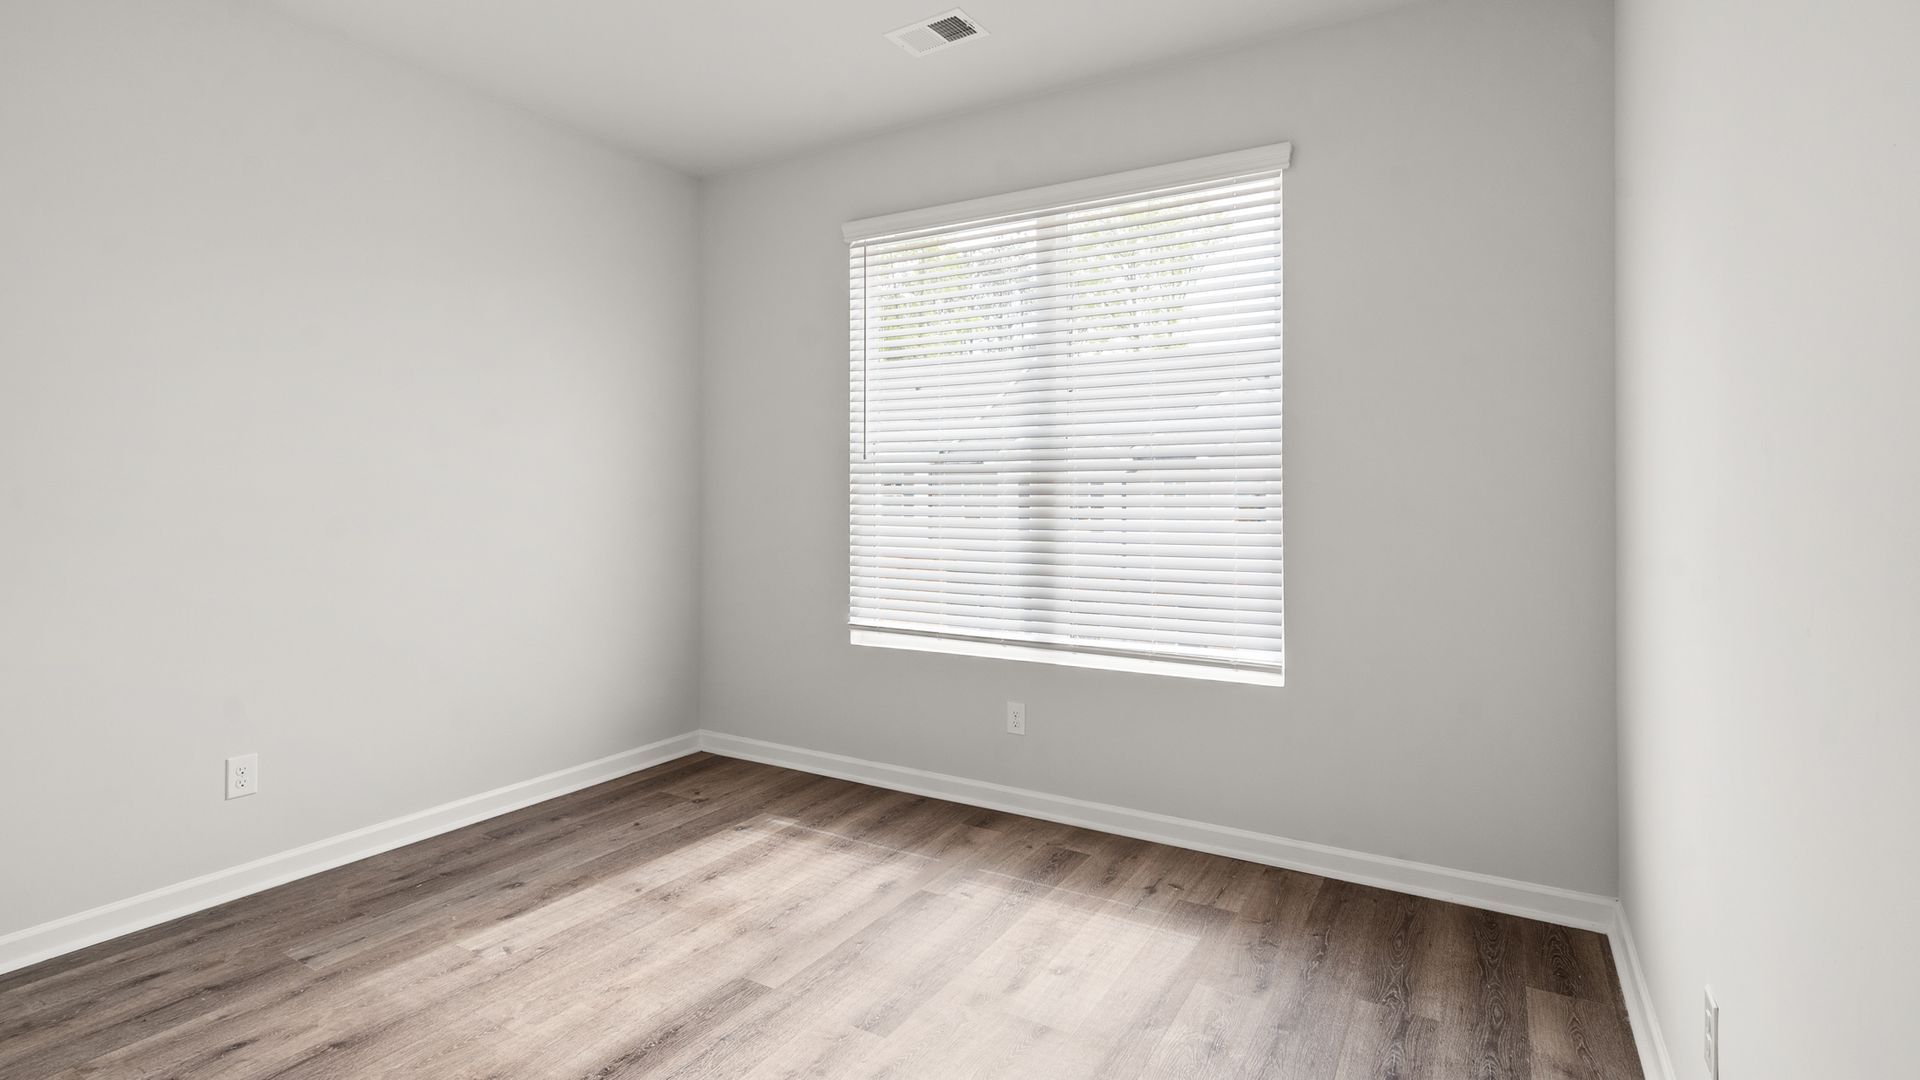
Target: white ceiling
(708,85)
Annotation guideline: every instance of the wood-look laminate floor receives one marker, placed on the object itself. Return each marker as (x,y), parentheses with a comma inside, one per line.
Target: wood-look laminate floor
(716,918)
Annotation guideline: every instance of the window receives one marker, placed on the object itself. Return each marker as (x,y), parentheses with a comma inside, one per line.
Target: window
(1065,423)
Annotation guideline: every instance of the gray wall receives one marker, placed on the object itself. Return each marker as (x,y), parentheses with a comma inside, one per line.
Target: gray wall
(1450,450)
(1770,365)
(344,418)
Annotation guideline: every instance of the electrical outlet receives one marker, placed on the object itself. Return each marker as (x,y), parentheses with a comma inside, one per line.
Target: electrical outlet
(1713,1036)
(243,775)
(1016,718)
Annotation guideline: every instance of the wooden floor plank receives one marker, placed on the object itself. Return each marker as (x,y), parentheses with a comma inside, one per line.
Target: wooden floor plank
(723,920)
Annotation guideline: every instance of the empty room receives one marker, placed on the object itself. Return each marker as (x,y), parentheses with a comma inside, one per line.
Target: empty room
(1054,539)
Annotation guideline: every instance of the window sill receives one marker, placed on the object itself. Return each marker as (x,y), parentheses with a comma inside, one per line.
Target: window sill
(1105,661)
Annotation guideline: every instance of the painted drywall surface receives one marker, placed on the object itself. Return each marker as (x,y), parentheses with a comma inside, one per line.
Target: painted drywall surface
(1769,459)
(1450,454)
(343,418)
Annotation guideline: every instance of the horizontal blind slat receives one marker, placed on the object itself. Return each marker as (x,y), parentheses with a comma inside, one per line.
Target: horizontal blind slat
(1178,594)
(1091,392)
(1084,569)
(1161,260)
(1101,466)
(1001,370)
(986,334)
(1093,631)
(1198,215)
(1137,451)
(1207,279)
(1036,611)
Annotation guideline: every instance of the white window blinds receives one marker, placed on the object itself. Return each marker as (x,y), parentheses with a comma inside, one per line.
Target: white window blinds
(1066,421)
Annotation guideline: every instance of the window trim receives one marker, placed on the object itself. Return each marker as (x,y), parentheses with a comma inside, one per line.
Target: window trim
(1118,187)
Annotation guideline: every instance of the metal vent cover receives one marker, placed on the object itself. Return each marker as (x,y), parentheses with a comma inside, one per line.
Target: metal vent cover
(941,31)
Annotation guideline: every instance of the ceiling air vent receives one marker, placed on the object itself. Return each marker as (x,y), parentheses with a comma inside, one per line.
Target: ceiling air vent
(939,32)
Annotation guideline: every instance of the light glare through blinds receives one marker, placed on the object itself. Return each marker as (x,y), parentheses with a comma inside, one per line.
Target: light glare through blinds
(1066,426)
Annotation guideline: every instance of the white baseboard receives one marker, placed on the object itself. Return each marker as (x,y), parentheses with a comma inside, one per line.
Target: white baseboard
(1549,904)
(1654,1061)
(1544,902)
(64,935)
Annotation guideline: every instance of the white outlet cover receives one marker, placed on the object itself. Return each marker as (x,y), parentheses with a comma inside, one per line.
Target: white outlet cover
(243,775)
(1016,718)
